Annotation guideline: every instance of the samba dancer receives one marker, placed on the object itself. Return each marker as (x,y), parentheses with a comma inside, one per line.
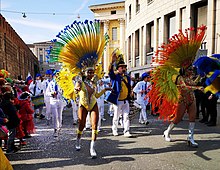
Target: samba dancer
(80,48)
(172,88)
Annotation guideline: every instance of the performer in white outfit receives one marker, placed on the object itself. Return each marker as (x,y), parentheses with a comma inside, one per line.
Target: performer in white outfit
(100,102)
(48,78)
(36,89)
(75,105)
(141,89)
(57,104)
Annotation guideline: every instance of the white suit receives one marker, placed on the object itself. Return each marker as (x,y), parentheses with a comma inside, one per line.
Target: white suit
(57,103)
(100,102)
(45,84)
(140,86)
(36,89)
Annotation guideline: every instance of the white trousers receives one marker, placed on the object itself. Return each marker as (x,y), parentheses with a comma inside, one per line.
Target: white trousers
(48,109)
(75,111)
(143,113)
(57,112)
(101,114)
(123,109)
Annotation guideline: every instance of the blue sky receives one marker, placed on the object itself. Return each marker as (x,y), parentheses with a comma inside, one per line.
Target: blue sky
(40,24)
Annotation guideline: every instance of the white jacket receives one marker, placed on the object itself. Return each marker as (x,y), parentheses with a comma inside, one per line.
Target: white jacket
(39,88)
(142,85)
(54,88)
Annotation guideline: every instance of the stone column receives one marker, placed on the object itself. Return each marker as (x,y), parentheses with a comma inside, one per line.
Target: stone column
(144,46)
(178,23)
(188,16)
(106,52)
(210,27)
(133,50)
(140,45)
(162,30)
(122,35)
(156,34)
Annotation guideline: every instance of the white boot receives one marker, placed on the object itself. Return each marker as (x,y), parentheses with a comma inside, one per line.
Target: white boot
(166,133)
(92,150)
(190,139)
(78,144)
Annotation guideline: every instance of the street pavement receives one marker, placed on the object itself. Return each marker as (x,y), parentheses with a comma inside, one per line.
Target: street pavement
(145,150)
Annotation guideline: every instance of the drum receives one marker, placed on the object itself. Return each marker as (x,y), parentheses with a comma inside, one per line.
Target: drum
(38,101)
(135,109)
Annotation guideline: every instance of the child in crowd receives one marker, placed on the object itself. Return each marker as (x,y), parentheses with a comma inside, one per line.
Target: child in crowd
(26,113)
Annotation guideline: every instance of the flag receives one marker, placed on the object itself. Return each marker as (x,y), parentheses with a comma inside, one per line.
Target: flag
(29,79)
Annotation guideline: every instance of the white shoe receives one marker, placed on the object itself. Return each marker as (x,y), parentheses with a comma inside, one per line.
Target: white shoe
(92,150)
(191,142)
(115,133)
(141,121)
(103,119)
(166,136)
(127,134)
(78,144)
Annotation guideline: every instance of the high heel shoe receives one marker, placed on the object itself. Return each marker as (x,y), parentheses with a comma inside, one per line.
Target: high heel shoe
(192,143)
(92,150)
(78,144)
(166,136)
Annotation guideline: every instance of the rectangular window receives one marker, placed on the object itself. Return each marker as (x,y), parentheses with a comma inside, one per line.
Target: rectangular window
(129,48)
(171,26)
(202,16)
(129,12)
(113,12)
(137,6)
(137,33)
(114,34)
(149,2)
(151,38)
(41,59)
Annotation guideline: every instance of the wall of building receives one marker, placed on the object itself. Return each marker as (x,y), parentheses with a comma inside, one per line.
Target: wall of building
(108,21)
(166,18)
(15,56)
(40,49)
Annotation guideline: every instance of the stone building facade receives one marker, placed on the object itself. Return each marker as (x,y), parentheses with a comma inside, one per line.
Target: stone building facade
(112,20)
(149,23)
(15,56)
(40,50)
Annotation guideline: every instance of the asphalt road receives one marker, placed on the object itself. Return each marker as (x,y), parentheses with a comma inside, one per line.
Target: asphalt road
(145,150)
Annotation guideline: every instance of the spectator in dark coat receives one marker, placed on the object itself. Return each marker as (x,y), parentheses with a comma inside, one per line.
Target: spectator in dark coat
(11,113)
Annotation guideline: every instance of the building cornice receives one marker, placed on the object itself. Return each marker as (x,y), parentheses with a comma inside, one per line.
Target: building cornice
(113,5)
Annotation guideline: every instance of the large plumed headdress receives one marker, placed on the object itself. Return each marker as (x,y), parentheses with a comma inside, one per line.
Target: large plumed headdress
(180,52)
(79,46)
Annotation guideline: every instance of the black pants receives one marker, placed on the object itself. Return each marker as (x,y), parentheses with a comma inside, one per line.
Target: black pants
(212,109)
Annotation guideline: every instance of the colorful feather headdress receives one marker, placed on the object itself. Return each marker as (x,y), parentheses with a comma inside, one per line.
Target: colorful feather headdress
(180,52)
(79,46)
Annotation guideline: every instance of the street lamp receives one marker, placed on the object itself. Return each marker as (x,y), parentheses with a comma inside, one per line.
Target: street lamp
(24,16)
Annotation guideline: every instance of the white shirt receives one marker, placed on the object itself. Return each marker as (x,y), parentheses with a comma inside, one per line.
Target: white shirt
(45,84)
(54,88)
(100,100)
(142,85)
(38,85)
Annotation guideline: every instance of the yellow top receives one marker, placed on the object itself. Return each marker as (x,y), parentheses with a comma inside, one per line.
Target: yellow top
(89,101)
(4,163)
(124,90)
